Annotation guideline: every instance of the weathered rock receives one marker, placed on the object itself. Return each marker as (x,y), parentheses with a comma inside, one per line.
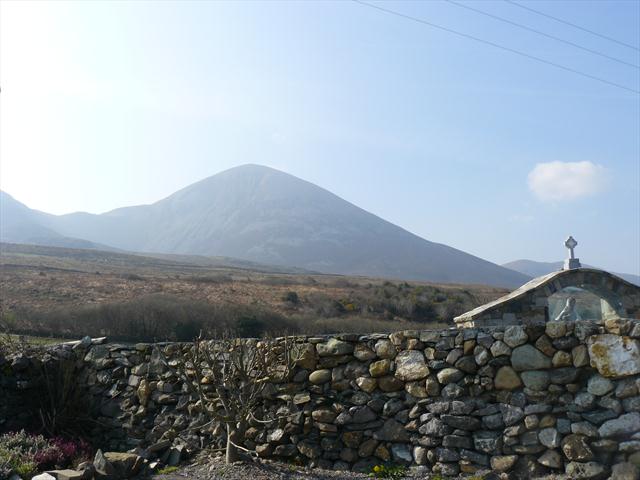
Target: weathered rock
(576,448)
(613,355)
(367,384)
(390,384)
(507,379)
(527,357)
(515,335)
(363,353)
(334,347)
(380,368)
(588,470)
(500,348)
(503,463)
(386,349)
(410,365)
(449,375)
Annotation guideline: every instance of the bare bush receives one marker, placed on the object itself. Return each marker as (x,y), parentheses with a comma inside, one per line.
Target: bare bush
(229,377)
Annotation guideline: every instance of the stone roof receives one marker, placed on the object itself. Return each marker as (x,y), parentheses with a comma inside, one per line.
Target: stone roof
(528,304)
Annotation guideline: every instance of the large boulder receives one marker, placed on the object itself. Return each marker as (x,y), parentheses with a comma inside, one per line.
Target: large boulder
(614,356)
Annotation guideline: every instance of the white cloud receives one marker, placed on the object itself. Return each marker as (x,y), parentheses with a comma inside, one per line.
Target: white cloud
(554,181)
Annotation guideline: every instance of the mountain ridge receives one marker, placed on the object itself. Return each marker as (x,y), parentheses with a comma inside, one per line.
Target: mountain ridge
(264,215)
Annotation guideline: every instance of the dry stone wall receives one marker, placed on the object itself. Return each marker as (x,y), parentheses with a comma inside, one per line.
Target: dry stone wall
(560,397)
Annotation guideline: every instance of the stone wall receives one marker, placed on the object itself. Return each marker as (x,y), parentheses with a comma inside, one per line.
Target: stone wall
(530,400)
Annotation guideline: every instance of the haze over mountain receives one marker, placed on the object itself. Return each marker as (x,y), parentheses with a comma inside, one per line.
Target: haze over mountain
(537,269)
(264,215)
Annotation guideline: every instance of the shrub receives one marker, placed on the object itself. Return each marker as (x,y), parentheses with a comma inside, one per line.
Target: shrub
(26,454)
(292,297)
(388,471)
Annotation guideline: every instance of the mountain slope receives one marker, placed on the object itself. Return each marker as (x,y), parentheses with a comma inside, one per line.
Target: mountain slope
(537,269)
(264,215)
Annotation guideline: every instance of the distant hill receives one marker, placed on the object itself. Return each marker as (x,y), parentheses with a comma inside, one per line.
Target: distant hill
(259,214)
(537,269)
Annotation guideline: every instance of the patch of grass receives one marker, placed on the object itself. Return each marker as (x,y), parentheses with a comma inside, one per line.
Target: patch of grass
(167,470)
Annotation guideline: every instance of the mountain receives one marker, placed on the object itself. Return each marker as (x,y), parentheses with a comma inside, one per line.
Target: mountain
(264,215)
(537,269)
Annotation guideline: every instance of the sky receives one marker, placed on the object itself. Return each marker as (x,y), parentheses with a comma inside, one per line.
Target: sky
(109,104)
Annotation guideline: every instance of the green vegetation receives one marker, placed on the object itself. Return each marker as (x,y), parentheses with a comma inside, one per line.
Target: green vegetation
(26,454)
(167,470)
(388,471)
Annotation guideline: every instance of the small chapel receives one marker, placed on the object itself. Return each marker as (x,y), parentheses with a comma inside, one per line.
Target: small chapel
(573,293)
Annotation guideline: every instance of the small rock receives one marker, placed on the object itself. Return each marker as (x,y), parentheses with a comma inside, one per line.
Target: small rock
(507,379)
(410,365)
(598,385)
(320,376)
(503,463)
(449,375)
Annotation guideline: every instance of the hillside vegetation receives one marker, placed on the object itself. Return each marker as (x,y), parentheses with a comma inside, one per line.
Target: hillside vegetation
(74,292)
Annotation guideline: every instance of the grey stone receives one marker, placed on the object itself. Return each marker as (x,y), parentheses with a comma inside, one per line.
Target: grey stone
(536,379)
(626,424)
(500,348)
(334,347)
(551,459)
(515,336)
(549,437)
(450,375)
(625,471)
(598,385)
(392,431)
(510,414)
(527,357)
(401,453)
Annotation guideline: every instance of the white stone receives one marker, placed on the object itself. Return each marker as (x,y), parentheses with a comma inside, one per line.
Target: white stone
(613,355)
(410,365)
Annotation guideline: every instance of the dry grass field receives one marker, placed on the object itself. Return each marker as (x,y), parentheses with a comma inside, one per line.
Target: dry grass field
(73,292)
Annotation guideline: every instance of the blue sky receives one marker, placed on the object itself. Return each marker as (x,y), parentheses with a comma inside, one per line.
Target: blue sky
(118,103)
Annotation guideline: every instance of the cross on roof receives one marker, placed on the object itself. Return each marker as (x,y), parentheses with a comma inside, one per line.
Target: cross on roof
(572,261)
(571,243)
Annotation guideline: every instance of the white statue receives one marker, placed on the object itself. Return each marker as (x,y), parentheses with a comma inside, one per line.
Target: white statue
(568,313)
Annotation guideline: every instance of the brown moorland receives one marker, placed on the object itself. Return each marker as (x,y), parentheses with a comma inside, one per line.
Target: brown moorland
(75,292)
